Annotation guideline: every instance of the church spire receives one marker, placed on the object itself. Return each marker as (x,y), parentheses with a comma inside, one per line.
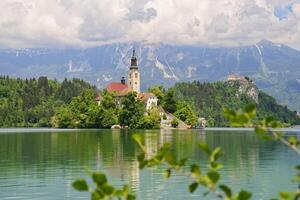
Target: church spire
(133,60)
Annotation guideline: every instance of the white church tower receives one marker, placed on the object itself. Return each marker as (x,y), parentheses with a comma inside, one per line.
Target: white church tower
(134,75)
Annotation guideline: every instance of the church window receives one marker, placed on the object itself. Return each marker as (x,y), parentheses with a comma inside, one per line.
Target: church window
(136,75)
(129,75)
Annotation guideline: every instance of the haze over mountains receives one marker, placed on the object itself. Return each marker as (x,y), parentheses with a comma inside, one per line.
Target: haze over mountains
(274,67)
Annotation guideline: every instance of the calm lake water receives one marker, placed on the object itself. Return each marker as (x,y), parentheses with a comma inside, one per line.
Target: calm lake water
(42,164)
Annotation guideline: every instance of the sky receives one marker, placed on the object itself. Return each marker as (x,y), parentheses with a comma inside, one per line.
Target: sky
(88,23)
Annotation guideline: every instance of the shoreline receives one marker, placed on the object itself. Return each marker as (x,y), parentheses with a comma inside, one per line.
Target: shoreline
(34,130)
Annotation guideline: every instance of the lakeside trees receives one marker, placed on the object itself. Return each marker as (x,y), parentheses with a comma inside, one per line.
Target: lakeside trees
(71,104)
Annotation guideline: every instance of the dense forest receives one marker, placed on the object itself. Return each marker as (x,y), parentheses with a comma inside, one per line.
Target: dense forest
(71,104)
(208,99)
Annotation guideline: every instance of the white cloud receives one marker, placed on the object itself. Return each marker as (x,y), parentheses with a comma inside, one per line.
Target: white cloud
(83,23)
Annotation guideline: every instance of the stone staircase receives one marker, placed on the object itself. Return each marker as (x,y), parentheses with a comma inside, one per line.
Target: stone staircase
(166,124)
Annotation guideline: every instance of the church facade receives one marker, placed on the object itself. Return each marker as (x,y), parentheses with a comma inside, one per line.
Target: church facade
(133,84)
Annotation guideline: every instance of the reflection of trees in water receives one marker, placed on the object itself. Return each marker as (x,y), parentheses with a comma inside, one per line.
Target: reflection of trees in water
(114,152)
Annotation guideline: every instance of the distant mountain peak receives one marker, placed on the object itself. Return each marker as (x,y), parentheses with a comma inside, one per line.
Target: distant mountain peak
(266,42)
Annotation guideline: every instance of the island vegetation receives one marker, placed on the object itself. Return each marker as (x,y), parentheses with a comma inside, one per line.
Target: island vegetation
(72,104)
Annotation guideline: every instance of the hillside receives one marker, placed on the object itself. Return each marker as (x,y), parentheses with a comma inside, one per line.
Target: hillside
(33,102)
(208,99)
(274,67)
(45,103)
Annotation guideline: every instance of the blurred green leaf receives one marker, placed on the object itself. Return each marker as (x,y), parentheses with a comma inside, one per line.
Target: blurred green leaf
(244,195)
(80,185)
(241,119)
(287,195)
(99,178)
(193,187)
(182,162)
(195,170)
(216,154)
(216,166)
(141,157)
(205,148)
(167,173)
(260,130)
(268,120)
(213,176)
(107,189)
(130,197)
(96,195)
(226,190)
(139,140)
(266,137)
(293,141)
(251,110)
(170,158)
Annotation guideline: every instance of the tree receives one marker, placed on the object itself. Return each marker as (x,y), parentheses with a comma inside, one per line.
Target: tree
(174,123)
(132,110)
(185,113)
(151,120)
(64,118)
(158,91)
(169,102)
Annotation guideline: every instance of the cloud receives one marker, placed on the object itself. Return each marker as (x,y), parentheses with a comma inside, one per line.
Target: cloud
(85,23)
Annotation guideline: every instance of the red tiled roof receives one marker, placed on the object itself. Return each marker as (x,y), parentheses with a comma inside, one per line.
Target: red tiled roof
(119,88)
(116,87)
(145,96)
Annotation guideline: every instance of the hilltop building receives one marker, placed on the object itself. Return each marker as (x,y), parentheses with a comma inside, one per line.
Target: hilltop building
(235,77)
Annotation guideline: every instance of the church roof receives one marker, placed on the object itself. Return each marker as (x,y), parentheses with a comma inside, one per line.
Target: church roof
(119,88)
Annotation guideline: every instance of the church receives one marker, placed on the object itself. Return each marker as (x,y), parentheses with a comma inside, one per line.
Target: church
(133,84)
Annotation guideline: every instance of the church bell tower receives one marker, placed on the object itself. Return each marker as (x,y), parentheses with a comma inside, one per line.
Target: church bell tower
(134,74)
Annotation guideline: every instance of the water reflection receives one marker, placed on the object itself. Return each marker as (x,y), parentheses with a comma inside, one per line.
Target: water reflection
(34,165)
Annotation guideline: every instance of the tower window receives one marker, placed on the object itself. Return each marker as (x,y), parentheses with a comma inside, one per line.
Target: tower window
(136,75)
(129,75)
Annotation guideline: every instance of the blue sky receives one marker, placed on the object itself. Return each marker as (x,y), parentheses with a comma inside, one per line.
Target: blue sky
(283,11)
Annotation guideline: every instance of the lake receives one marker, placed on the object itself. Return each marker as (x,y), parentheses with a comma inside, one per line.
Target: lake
(41,164)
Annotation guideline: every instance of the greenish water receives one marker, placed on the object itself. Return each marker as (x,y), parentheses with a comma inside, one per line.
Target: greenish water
(42,164)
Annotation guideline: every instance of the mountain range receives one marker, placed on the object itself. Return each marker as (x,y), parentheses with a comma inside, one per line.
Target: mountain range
(275,68)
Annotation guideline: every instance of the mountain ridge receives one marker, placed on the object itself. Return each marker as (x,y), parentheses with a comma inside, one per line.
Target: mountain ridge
(274,67)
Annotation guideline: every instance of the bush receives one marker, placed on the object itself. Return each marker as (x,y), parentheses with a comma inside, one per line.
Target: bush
(175,123)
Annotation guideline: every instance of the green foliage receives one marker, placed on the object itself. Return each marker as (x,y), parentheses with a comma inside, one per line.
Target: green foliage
(210,179)
(158,91)
(132,111)
(169,102)
(150,121)
(185,112)
(209,99)
(103,189)
(33,102)
(174,123)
